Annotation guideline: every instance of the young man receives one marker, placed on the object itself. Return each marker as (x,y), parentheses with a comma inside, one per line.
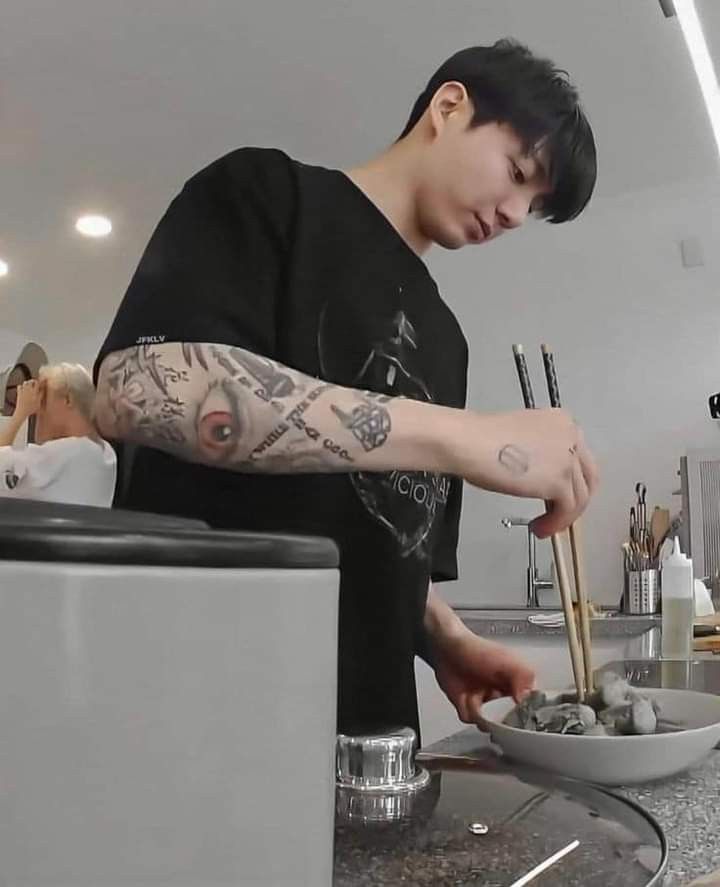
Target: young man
(285,362)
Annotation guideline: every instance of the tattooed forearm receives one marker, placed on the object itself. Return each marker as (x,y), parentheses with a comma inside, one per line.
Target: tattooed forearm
(137,396)
(514,459)
(369,423)
(222,405)
(226,364)
(273,383)
(190,349)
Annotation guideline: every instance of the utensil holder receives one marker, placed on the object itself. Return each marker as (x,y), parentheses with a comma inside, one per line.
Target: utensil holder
(642,592)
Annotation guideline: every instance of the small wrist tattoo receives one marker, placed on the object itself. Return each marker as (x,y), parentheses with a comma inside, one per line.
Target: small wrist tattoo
(514,459)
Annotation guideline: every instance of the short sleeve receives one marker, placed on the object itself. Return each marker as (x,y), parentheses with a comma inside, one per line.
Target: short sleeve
(213,266)
(444,556)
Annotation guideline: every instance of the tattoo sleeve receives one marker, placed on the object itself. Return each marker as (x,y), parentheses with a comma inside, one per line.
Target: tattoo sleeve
(226,406)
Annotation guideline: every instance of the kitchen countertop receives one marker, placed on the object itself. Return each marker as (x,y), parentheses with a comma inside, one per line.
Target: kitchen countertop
(692,827)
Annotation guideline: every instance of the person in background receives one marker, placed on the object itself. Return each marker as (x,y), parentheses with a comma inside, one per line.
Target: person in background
(20,373)
(70,462)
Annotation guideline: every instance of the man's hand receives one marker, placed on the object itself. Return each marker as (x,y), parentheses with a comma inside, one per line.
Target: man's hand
(29,400)
(473,670)
(469,669)
(536,454)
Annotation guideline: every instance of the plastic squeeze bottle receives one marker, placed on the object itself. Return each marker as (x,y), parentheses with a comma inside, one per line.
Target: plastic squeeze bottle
(678,605)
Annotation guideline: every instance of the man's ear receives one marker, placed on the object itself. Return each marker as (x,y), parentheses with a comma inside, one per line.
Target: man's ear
(449,100)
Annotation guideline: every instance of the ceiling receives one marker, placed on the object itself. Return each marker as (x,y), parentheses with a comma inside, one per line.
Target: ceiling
(110,107)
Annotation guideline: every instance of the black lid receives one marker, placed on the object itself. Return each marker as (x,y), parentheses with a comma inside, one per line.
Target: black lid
(75,534)
(32,511)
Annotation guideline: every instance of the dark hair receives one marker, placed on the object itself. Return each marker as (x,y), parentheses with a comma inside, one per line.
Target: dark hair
(506,83)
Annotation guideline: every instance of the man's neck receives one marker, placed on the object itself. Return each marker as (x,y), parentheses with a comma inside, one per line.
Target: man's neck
(388,181)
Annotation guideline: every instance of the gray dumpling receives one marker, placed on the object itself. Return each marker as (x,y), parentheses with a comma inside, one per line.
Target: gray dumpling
(523,715)
(612,691)
(640,720)
(568,718)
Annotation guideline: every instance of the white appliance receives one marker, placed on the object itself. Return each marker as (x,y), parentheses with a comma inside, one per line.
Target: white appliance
(167,704)
(700,533)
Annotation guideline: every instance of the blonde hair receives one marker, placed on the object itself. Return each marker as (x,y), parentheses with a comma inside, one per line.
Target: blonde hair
(76,381)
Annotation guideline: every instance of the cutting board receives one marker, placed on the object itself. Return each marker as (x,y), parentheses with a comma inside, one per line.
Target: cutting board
(711,644)
(707,645)
(712,880)
(708,620)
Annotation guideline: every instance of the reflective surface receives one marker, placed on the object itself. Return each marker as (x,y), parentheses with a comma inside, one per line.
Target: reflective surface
(377,778)
(377,762)
(481,823)
(693,674)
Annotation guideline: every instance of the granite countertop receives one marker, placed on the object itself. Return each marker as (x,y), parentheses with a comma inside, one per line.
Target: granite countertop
(687,807)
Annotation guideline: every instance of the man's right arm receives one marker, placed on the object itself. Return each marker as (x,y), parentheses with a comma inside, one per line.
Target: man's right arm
(228,407)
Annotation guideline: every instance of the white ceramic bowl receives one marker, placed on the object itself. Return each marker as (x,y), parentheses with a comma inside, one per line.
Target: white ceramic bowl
(615,760)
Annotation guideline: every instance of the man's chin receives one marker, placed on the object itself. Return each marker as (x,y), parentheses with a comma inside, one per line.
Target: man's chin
(452,242)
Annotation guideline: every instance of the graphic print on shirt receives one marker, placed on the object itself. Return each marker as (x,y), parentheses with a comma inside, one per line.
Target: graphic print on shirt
(383,357)
(11,479)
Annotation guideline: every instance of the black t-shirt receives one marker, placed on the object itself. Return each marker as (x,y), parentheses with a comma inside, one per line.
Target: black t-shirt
(295,263)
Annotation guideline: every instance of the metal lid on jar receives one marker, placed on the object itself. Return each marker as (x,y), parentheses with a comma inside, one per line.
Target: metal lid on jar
(383,763)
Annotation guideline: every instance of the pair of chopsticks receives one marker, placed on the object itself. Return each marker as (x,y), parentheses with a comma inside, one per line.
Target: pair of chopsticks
(580,651)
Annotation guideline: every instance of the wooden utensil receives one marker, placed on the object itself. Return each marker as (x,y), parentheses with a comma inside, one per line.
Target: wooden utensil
(576,538)
(576,654)
(659,526)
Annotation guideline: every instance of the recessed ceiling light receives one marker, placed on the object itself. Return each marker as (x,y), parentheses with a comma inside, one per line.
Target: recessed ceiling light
(4,268)
(94,226)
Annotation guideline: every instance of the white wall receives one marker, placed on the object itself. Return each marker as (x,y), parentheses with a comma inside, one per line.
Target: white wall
(637,346)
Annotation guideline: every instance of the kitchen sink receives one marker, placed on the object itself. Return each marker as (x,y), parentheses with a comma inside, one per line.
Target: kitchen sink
(513,621)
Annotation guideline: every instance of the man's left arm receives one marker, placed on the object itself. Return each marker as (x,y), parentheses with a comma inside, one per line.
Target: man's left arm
(469,669)
(441,624)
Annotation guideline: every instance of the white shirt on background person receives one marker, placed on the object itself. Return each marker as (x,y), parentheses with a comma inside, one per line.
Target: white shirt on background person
(73,470)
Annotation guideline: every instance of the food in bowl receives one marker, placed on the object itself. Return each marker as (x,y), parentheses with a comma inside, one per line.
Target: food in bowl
(615,708)
(688,727)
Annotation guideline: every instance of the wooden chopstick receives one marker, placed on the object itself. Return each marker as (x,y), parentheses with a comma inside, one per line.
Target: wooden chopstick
(576,546)
(576,539)
(576,654)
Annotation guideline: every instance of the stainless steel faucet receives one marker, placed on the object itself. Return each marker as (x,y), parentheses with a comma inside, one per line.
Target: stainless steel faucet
(534,584)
